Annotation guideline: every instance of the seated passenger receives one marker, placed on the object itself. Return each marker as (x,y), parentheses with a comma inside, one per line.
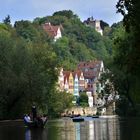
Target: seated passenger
(27,118)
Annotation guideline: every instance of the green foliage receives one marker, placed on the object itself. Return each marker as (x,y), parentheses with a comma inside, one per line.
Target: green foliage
(130,10)
(66,13)
(124,107)
(58,102)
(83,100)
(7,20)
(30,31)
(28,72)
(83,43)
(39,20)
(126,56)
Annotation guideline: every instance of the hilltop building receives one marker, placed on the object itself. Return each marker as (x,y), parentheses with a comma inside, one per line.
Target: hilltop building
(53,31)
(99,25)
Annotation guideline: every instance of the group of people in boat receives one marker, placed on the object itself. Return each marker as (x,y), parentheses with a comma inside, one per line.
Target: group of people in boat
(35,119)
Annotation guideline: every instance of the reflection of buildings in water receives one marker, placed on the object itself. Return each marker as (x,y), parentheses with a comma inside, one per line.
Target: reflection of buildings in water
(27,134)
(100,129)
(107,129)
(69,132)
(77,130)
(113,129)
(92,134)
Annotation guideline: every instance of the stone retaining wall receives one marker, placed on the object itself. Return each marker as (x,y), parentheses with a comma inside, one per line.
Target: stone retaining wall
(80,110)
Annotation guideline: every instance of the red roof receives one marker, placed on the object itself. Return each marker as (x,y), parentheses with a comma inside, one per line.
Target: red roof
(78,72)
(66,75)
(51,29)
(89,64)
(90,69)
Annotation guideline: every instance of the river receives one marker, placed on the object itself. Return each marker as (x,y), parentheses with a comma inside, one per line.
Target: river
(66,129)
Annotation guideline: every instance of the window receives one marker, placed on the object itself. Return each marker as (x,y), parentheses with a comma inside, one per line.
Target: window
(95,69)
(86,69)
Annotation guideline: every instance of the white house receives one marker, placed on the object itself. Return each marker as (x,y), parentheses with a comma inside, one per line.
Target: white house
(53,31)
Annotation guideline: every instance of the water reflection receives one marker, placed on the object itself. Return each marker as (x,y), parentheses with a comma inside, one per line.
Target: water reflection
(77,129)
(105,129)
(97,129)
(66,129)
(35,134)
(28,134)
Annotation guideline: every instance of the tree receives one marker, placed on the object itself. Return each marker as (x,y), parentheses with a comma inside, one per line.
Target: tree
(67,13)
(126,53)
(83,99)
(58,102)
(7,20)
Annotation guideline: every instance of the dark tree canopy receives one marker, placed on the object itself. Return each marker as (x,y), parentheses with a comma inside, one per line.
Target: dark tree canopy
(66,13)
(126,58)
(7,20)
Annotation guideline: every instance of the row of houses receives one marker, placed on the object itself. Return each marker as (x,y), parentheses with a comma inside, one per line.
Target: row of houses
(84,79)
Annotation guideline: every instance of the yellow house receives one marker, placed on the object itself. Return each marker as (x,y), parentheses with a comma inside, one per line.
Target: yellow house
(71,83)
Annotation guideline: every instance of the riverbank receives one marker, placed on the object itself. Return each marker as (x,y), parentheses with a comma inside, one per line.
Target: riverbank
(83,111)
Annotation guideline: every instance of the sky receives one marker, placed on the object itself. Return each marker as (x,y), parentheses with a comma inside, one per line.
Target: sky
(30,9)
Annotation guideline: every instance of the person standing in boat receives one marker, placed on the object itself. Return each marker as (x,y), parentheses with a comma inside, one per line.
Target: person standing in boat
(34,112)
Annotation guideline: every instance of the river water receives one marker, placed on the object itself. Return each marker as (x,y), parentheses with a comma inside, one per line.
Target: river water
(66,129)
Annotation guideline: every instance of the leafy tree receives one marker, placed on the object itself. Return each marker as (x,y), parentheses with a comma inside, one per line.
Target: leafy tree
(83,99)
(28,72)
(7,20)
(130,11)
(67,13)
(79,34)
(39,20)
(126,54)
(58,102)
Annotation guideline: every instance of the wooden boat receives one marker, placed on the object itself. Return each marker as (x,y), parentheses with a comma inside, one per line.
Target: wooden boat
(96,116)
(78,119)
(36,124)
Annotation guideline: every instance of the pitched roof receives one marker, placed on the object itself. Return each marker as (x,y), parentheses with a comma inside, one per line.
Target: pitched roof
(89,64)
(91,74)
(78,72)
(66,75)
(90,69)
(51,29)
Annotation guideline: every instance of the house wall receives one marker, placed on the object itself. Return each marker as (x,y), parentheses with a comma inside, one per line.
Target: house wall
(66,86)
(81,82)
(61,80)
(76,86)
(71,83)
(58,35)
